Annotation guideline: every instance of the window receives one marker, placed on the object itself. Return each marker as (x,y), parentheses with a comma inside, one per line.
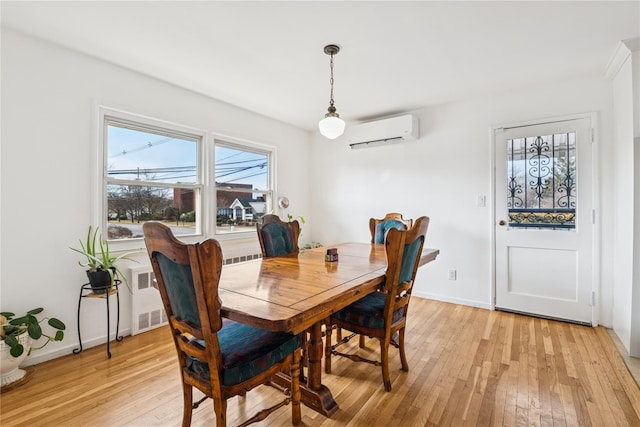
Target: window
(151,174)
(155,170)
(243,187)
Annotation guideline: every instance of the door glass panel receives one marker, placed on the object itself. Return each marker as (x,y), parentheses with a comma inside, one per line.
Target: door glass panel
(541,177)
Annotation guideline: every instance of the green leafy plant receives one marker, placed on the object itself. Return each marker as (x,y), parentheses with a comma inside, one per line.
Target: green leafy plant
(290,218)
(13,327)
(307,246)
(300,217)
(302,222)
(98,255)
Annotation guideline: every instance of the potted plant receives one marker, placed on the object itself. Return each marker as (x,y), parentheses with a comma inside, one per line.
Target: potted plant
(16,335)
(103,269)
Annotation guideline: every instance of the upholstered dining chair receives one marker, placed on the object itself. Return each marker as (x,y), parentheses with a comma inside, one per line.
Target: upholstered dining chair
(384,313)
(380,227)
(277,237)
(220,357)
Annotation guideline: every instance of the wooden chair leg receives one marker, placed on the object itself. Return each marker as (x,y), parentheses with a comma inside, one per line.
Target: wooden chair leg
(220,408)
(403,356)
(327,349)
(187,395)
(384,358)
(362,341)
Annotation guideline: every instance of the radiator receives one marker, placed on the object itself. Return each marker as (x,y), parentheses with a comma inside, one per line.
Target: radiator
(147,311)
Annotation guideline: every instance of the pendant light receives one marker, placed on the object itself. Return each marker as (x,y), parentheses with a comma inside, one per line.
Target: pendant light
(332,126)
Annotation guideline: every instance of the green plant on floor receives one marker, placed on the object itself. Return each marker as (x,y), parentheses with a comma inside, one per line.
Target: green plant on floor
(13,327)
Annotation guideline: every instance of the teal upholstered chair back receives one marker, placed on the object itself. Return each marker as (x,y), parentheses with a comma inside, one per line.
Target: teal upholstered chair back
(278,238)
(383,227)
(404,248)
(380,227)
(410,259)
(178,282)
(181,271)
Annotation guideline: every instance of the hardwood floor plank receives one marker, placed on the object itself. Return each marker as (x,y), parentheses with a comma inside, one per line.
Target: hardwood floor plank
(620,407)
(492,405)
(451,369)
(568,406)
(627,386)
(598,385)
(467,367)
(522,399)
(469,375)
(544,376)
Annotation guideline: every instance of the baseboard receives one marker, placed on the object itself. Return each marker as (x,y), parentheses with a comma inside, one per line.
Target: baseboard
(443,298)
(39,356)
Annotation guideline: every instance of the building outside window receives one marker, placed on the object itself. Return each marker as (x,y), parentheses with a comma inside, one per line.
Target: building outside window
(243,187)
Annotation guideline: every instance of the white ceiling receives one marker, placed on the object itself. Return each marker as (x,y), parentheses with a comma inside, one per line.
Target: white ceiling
(395,56)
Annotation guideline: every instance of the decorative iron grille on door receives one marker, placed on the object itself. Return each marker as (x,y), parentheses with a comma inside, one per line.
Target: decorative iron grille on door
(542,181)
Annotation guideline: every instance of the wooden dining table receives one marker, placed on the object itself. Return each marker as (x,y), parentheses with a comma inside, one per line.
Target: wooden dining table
(296,293)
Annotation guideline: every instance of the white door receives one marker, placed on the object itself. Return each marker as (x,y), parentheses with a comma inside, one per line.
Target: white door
(544,220)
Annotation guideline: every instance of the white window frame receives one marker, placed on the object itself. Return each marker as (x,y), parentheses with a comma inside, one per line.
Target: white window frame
(206,208)
(241,144)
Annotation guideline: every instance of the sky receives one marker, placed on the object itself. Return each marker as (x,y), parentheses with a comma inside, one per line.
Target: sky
(137,154)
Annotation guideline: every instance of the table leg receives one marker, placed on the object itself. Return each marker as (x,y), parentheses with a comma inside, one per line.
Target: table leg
(315,357)
(313,393)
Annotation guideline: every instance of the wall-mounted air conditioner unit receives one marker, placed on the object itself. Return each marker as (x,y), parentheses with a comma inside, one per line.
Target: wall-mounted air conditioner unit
(383,132)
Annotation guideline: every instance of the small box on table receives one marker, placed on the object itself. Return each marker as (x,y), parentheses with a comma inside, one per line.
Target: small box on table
(332,255)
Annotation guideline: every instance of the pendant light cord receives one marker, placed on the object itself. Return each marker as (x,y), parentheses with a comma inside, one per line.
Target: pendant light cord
(331,80)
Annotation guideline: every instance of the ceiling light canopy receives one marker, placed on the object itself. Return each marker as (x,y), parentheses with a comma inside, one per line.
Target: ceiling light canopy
(332,126)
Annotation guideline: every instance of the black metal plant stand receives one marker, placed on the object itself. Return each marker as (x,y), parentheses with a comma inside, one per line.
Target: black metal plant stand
(86,291)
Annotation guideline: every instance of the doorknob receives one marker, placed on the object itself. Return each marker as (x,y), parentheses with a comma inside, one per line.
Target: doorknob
(502,222)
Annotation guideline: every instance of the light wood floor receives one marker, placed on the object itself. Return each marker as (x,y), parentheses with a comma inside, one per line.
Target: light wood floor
(468,366)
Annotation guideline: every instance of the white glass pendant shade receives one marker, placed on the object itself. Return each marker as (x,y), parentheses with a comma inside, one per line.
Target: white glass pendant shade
(332,126)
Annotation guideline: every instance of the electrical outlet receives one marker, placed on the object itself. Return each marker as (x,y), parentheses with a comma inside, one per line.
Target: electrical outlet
(452,274)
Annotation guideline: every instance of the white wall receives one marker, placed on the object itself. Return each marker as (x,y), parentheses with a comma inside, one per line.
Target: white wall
(635,308)
(49,101)
(442,174)
(623,199)
(623,70)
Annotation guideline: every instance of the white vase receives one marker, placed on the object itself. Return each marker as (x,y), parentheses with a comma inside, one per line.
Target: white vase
(9,365)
